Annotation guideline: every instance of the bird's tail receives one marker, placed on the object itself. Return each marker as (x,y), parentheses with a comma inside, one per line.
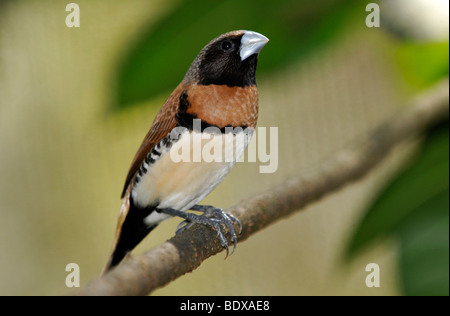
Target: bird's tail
(123,247)
(131,229)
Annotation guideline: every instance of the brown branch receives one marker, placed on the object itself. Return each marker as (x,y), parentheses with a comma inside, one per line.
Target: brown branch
(142,274)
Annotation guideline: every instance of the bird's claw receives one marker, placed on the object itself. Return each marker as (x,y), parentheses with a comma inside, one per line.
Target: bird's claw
(216,218)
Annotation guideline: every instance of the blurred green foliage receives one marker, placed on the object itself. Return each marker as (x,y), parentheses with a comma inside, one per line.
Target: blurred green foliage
(423,63)
(161,56)
(424,251)
(414,207)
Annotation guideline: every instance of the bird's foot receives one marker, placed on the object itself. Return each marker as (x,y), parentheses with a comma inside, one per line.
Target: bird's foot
(214,217)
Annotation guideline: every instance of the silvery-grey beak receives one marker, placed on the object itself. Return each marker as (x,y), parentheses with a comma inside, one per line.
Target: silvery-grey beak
(252,43)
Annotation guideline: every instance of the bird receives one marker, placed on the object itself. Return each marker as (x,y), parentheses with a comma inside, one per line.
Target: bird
(216,99)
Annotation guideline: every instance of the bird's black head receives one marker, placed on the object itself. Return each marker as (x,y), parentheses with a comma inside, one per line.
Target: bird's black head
(229,59)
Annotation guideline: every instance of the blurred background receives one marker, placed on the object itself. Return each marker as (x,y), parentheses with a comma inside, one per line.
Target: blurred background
(75,103)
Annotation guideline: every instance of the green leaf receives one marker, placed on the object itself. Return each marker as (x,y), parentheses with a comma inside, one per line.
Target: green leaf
(159,59)
(425,178)
(424,250)
(414,208)
(423,63)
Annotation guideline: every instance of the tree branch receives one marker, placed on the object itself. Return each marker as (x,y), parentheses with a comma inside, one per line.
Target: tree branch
(183,253)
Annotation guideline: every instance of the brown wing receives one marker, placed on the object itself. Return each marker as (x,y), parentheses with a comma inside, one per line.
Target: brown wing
(164,122)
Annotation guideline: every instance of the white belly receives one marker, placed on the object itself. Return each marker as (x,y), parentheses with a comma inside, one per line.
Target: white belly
(171,183)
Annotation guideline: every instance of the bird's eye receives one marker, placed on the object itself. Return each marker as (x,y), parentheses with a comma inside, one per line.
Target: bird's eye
(227,45)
